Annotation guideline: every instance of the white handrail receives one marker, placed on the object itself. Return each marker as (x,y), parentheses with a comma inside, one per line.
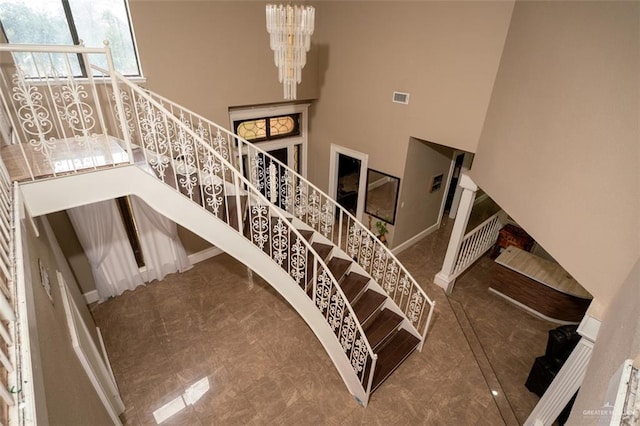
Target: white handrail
(181,136)
(43,48)
(255,193)
(245,145)
(477,241)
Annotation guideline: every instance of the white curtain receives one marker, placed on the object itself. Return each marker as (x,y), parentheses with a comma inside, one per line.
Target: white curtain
(104,240)
(161,247)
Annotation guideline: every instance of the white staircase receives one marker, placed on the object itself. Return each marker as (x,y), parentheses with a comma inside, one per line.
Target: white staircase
(362,304)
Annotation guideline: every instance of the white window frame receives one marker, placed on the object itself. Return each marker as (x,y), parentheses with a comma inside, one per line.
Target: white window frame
(140,78)
(251,113)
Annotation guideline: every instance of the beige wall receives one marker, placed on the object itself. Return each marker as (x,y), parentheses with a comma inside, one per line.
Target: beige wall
(191,242)
(618,340)
(445,54)
(72,250)
(211,55)
(418,209)
(70,397)
(559,150)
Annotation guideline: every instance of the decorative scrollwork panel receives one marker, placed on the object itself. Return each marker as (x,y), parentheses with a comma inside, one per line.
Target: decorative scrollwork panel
(298,264)
(212,185)
(72,106)
(347,332)
(34,118)
(323,290)
(259,225)
(280,242)
(416,306)
(336,312)
(301,201)
(359,356)
(155,133)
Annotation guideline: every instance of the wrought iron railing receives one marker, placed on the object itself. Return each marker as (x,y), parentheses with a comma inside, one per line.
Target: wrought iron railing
(17,404)
(64,124)
(177,153)
(297,196)
(58,118)
(55,115)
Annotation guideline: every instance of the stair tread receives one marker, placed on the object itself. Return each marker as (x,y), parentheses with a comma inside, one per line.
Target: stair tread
(338,267)
(367,304)
(353,284)
(306,234)
(392,355)
(231,204)
(323,250)
(381,327)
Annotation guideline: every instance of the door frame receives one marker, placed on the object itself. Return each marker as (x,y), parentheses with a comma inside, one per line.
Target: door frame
(336,150)
(260,111)
(94,363)
(466,165)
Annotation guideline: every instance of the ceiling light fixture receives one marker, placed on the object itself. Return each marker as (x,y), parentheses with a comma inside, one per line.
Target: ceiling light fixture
(290,29)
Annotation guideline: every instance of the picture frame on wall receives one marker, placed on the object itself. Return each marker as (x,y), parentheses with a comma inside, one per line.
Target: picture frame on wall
(436,182)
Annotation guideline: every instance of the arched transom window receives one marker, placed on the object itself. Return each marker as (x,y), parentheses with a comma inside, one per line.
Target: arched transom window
(268,128)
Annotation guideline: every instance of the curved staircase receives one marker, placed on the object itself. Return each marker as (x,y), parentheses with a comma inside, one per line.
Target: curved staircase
(362,304)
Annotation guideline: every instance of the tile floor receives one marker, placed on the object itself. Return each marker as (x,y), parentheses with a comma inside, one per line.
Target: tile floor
(223,328)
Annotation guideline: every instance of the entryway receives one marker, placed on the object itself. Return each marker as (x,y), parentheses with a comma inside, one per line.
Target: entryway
(348,178)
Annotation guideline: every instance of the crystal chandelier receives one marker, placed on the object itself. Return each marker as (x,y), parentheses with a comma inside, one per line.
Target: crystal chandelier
(290,29)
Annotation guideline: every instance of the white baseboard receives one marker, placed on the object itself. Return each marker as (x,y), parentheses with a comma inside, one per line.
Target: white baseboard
(91,296)
(204,254)
(411,241)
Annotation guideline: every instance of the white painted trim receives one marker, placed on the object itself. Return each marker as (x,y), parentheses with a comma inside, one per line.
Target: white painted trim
(42,197)
(466,165)
(33,410)
(335,150)
(530,310)
(251,112)
(444,281)
(105,355)
(205,254)
(91,296)
(467,183)
(415,239)
(589,327)
(563,386)
(445,193)
(107,391)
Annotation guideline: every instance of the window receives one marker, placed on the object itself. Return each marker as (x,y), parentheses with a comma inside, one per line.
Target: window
(268,128)
(65,22)
(280,130)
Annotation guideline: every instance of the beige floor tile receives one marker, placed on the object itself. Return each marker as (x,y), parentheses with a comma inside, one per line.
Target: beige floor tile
(264,365)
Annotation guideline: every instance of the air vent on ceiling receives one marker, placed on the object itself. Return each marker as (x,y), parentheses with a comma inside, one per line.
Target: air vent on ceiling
(401,98)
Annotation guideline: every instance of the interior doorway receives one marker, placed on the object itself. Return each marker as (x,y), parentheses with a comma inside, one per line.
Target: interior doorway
(454,182)
(348,178)
(460,163)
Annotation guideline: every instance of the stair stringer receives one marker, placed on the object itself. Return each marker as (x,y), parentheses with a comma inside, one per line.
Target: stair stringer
(355,267)
(81,189)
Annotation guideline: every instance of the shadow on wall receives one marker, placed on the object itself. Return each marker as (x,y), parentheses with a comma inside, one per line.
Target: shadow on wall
(322,55)
(424,187)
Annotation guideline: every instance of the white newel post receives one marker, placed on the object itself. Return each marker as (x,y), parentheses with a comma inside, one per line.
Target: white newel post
(445,278)
(568,379)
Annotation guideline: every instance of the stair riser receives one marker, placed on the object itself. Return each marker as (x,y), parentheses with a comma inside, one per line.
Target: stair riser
(377,348)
